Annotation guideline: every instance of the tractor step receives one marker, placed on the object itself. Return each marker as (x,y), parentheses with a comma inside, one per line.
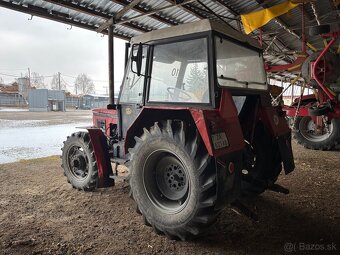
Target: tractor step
(278,188)
(243,209)
(117,178)
(119,161)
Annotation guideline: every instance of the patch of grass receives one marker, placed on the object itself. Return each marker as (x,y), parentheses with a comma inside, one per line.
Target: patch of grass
(53,158)
(37,160)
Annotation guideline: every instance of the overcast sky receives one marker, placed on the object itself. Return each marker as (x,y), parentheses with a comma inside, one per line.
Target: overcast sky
(48,47)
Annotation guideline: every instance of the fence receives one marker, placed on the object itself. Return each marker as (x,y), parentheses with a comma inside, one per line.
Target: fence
(12,99)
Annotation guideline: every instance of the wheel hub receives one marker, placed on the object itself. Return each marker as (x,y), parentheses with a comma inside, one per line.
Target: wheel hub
(171,178)
(78,162)
(175,176)
(166,181)
(314,132)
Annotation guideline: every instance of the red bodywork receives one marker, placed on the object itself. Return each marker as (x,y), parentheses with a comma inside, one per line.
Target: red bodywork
(208,122)
(99,143)
(321,67)
(295,66)
(103,118)
(225,119)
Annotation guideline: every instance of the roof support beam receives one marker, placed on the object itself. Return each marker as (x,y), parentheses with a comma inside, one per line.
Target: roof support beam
(188,9)
(92,12)
(152,12)
(303,10)
(202,13)
(229,8)
(118,15)
(143,9)
(126,8)
(32,10)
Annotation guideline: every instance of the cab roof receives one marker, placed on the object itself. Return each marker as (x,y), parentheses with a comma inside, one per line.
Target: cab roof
(193,28)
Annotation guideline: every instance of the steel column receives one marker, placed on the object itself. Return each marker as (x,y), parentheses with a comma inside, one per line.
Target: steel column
(111,104)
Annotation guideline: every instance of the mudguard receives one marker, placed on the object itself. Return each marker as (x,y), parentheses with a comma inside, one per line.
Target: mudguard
(285,146)
(101,152)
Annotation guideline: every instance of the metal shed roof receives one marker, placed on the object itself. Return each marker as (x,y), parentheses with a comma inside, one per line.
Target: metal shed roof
(281,35)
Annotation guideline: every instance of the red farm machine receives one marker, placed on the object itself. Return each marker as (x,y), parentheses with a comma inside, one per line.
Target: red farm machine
(194,125)
(315,118)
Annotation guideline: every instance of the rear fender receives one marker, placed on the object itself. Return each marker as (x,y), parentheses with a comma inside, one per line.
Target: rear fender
(274,119)
(227,160)
(208,122)
(101,152)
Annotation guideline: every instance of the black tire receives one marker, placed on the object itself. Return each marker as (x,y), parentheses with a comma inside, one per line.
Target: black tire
(319,30)
(304,134)
(331,75)
(79,163)
(267,167)
(188,210)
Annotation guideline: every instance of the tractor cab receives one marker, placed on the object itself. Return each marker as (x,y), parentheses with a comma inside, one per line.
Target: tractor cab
(190,65)
(194,125)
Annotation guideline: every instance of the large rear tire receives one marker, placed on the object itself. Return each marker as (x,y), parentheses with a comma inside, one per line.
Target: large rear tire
(173,180)
(79,163)
(306,135)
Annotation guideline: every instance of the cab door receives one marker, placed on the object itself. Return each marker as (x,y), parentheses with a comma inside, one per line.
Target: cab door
(131,96)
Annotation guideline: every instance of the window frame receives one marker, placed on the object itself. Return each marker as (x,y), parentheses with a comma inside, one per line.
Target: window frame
(126,72)
(243,44)
(202,35)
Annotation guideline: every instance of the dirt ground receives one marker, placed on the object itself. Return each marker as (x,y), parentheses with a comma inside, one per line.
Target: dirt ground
(41,214)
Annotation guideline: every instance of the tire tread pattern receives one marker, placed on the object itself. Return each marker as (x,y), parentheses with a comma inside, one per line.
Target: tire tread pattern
(205,213)
(84,138)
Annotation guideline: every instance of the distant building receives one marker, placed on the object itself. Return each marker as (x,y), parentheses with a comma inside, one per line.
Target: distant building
(10,96)
(95,101)
(23,86)
(12,99)
(73,101)
(44,100)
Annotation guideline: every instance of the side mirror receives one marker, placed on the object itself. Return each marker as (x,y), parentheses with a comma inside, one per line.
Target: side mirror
(137,58)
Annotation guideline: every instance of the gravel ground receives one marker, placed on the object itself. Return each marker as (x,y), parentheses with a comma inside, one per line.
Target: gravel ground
(41,214)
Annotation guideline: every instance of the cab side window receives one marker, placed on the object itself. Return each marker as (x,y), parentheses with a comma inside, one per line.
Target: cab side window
(133,85)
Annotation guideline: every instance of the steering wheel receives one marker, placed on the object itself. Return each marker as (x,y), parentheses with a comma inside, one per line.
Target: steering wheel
(172,92)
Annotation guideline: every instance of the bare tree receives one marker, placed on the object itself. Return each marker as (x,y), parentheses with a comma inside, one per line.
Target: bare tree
(55,83)
(37,81)
(83,85)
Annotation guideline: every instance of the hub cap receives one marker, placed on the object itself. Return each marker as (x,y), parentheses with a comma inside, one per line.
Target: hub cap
(78,162)
(309,130)
(166,181)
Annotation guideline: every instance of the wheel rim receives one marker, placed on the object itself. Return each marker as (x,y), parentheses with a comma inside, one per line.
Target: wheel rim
(308,130)
(166,181)
(77,162)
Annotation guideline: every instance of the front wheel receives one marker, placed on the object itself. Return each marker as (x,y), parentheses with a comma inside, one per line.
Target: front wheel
(317,138)
(173,180)
(79,163)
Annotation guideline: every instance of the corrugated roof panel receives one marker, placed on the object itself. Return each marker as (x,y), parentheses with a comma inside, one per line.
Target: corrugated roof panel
(91,14)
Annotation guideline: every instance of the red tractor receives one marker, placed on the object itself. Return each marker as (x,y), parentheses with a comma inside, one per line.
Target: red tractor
(194,125)
(315,118)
